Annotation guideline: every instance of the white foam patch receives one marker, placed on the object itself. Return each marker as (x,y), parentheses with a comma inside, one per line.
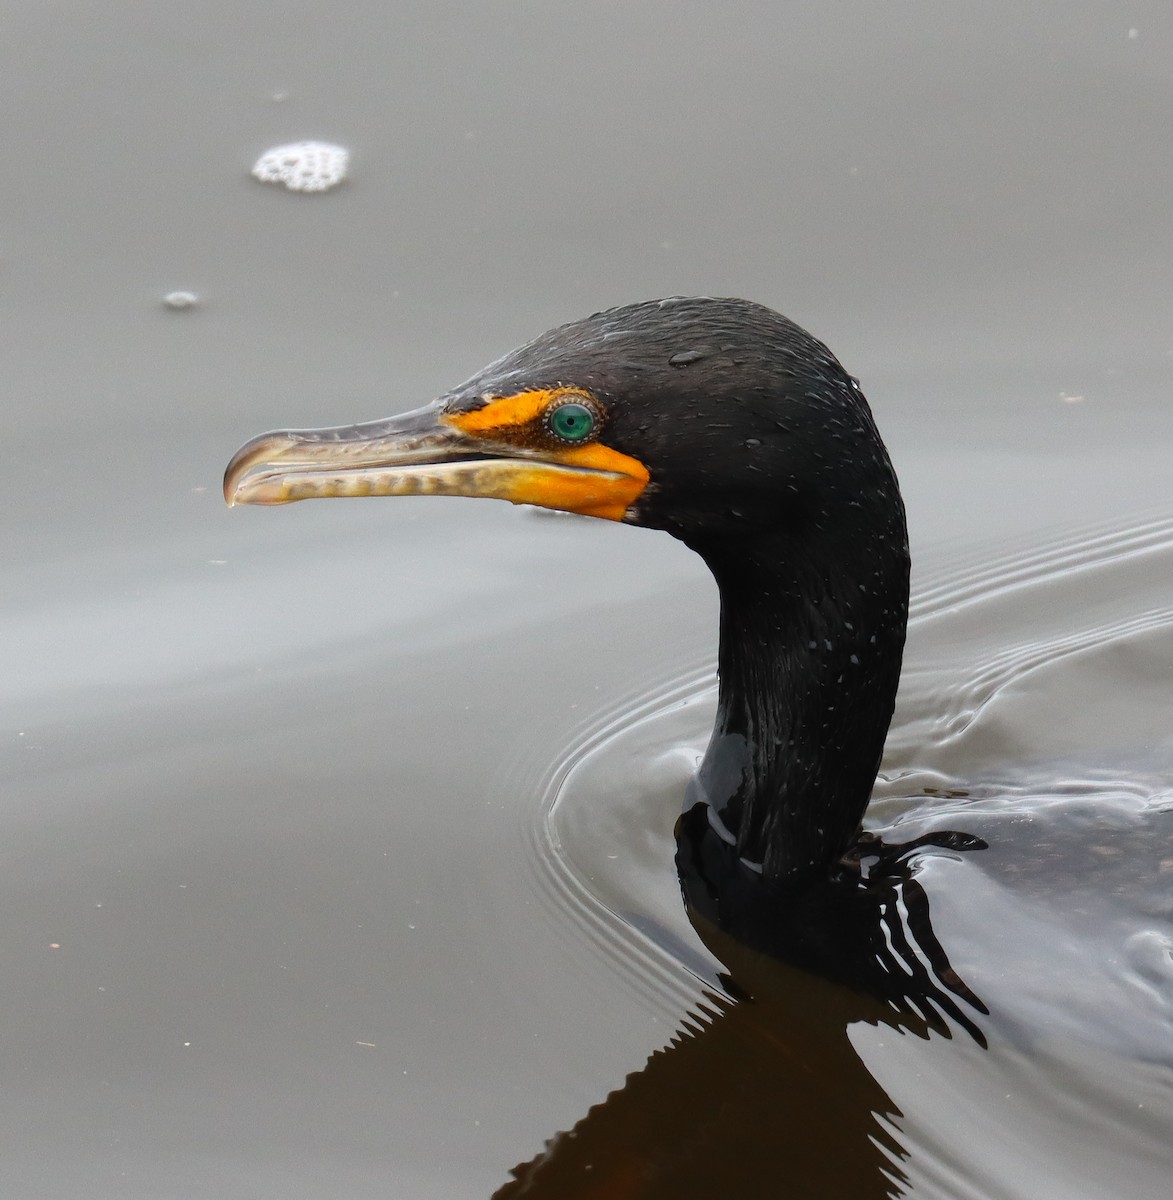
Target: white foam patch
(303,166)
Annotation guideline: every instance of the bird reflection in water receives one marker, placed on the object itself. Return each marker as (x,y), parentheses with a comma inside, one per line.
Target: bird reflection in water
(763,1083)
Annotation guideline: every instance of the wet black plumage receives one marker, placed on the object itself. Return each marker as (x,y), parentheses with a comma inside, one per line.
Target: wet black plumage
(765,460)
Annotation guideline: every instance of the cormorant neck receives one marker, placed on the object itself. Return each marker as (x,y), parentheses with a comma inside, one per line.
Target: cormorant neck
(809,662)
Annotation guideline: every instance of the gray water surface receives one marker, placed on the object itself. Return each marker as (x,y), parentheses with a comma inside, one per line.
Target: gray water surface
(292,905)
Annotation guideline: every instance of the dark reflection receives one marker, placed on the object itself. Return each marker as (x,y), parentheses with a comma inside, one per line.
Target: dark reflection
(764,1084)
(867,927)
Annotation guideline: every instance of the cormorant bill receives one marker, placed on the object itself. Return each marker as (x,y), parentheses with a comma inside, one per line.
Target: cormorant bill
(734,430)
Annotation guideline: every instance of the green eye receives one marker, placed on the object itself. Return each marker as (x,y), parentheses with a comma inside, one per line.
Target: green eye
(571,421)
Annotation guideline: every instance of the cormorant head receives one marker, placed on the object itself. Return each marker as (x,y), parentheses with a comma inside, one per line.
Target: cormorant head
(709,418)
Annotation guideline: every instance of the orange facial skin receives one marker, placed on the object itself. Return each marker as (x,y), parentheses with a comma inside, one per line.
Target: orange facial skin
(601,482)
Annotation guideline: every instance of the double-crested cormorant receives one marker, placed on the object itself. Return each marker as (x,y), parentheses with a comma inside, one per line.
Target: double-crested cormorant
(728,426)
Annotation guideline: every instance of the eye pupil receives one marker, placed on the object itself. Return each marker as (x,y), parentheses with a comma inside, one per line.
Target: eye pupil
(572,421)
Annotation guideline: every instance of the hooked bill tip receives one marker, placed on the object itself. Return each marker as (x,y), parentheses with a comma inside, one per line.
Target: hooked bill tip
(253,453)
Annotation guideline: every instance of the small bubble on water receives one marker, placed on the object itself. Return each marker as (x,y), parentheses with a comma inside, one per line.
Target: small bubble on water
(303,166)
(180,301)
